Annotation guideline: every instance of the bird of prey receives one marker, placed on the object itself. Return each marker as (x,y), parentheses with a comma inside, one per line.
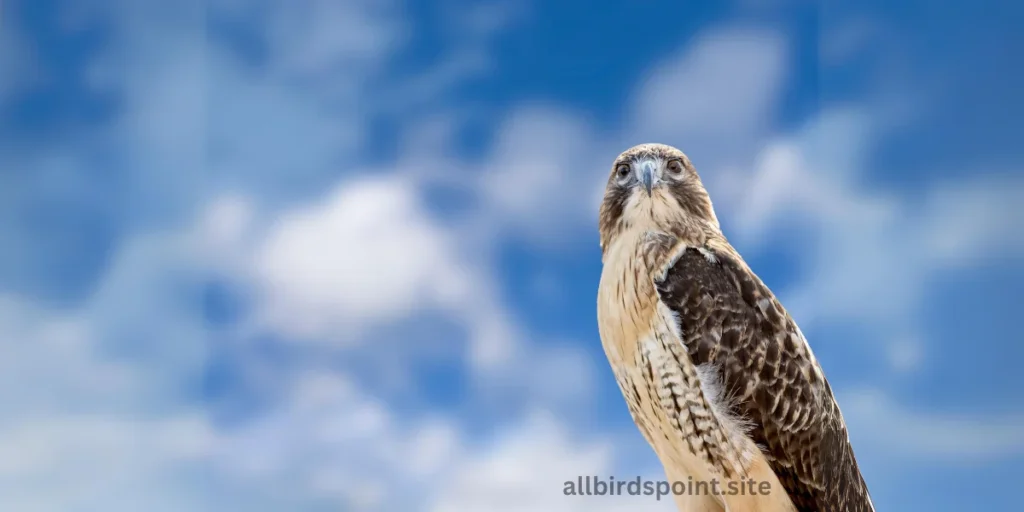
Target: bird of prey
(716,374)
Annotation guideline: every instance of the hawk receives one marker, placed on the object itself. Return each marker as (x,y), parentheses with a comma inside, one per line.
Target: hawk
(716,374)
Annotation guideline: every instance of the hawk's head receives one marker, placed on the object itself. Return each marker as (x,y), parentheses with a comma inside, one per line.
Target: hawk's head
(654,187)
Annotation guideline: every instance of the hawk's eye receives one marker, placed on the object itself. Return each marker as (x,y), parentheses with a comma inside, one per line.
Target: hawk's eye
(622,170)
(675,166)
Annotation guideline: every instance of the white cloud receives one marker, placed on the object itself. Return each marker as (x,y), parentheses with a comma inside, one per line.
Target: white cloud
(86,425)
(484,19)
(946,437)
(544,373)
(314,37)
(225,227)
(56,355)
(790,176)
(198,117)
(542,162)
(367,252)
(715,100)
(333,440)
(370,253)
(905,354)
(526,467)
(964,222)
(76,462)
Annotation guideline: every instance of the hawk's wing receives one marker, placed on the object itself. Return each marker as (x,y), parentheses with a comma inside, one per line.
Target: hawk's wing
(729,318)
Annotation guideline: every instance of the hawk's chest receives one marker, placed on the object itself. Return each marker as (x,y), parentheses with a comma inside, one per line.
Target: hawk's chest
(634,330)
(626,298)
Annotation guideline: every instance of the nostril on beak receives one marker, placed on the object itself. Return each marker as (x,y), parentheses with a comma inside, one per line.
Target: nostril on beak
(647,177)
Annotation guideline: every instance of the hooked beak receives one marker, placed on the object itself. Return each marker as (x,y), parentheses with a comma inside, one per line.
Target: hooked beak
(646,176)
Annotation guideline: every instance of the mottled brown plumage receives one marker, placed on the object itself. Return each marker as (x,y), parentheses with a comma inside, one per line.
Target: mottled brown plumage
(716,375)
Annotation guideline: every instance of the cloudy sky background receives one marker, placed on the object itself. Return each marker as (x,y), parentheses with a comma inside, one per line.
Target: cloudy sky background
(342,255)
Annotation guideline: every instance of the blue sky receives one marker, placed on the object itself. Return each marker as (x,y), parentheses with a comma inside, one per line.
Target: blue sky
(315,255)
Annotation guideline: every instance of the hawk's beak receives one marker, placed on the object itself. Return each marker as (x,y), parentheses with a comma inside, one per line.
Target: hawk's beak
(647,177)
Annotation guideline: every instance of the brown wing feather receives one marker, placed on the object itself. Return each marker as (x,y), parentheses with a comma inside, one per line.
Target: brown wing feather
(729,318)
